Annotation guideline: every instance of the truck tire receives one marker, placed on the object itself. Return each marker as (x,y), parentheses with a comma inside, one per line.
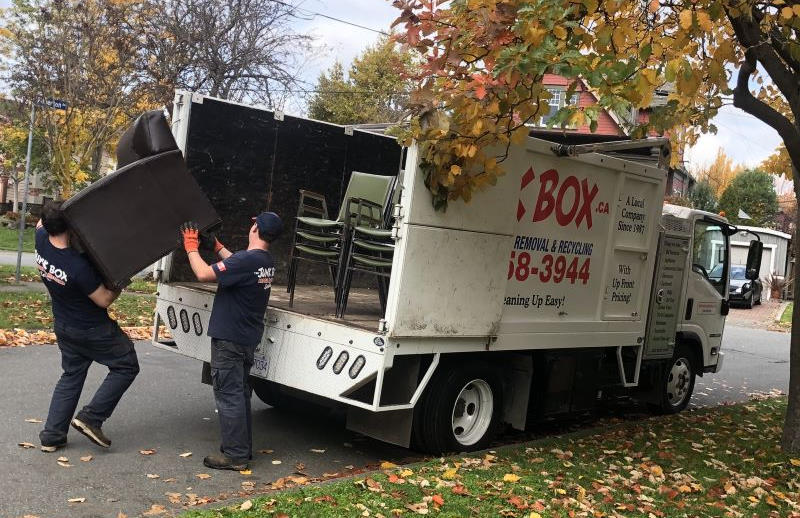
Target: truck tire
(678,381)
(459,410)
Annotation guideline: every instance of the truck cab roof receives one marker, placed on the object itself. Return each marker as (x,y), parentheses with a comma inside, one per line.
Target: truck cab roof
(689,213)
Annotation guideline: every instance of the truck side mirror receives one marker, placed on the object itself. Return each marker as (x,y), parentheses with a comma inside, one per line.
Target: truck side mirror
(754,260)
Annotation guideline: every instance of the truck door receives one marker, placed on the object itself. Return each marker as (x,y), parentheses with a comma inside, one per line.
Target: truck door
(707,285)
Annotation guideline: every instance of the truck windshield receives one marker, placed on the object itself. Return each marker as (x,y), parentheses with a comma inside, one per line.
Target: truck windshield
(710,254)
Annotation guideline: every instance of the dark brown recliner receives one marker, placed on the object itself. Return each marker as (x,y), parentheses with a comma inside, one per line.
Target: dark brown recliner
(129,219)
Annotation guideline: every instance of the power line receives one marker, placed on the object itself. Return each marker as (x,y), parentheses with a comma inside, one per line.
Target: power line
(315,13)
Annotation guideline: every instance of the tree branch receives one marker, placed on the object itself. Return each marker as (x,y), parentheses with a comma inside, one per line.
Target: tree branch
(744,100)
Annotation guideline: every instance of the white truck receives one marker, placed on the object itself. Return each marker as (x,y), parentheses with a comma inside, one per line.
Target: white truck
(567,283)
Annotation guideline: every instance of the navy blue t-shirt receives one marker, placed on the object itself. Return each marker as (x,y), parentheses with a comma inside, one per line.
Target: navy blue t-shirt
(70,279)
(244,283)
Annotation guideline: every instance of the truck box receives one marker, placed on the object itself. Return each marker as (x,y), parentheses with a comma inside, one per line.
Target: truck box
(539,293)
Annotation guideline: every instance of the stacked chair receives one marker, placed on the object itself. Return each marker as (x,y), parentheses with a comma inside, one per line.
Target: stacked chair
(322,240)
(370,249)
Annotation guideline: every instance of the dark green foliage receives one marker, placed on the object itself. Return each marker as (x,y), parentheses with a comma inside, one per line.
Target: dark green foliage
(751,191)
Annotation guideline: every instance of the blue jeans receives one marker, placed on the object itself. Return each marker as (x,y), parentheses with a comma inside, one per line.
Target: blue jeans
(230,370)
(107,345)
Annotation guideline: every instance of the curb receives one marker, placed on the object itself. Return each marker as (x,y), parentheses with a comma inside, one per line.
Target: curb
(781,309)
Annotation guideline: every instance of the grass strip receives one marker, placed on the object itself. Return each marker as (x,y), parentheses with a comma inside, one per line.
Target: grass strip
(32,310)
(8,274)
(9,239)
(786,317)
(723,461)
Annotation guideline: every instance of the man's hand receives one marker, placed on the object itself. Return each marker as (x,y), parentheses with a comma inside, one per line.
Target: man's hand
(191,238)
(209,241)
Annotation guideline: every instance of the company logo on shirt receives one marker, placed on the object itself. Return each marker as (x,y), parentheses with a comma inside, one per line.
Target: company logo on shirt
(50,272)
(265,276)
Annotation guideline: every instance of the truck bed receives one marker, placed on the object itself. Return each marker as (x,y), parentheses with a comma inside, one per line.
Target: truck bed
(363,306)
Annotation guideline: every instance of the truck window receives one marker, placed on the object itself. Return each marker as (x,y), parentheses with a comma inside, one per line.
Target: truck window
(710,254)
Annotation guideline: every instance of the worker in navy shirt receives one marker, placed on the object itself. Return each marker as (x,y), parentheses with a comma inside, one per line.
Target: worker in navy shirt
(85,334)
(237,323)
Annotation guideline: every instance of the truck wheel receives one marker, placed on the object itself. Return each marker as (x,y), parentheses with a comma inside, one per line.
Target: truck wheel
(678,383)
(460,409)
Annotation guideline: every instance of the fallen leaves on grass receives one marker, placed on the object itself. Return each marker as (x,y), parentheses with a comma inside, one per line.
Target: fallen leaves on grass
(724,461)
(22,338)
(246,505)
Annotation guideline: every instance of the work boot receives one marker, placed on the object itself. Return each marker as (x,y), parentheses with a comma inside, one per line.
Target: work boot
(93,433)
(51,446)
(224,462)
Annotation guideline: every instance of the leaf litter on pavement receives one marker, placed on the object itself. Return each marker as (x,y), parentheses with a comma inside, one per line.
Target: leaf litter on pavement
(723,461)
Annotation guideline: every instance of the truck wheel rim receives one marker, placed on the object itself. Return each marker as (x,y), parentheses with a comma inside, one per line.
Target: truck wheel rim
(678,382)
(472,412)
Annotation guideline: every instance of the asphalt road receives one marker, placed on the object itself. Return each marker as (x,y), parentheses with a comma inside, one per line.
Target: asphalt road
(169,410)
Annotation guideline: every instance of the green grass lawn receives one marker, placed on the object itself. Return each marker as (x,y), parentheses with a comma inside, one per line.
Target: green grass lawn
(723,461)
(9,239)
(142,286)
(786,317)
(32,310)
(8,271)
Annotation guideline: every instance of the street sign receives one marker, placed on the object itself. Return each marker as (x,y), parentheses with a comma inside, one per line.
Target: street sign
(56,104)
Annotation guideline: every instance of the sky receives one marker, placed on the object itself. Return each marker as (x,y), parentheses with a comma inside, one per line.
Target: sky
(745,139)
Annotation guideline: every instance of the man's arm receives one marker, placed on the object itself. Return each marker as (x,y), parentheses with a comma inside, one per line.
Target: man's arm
(191,243)
(201,269)
(103,296)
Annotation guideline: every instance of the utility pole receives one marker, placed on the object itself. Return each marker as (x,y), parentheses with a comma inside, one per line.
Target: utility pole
(25,193)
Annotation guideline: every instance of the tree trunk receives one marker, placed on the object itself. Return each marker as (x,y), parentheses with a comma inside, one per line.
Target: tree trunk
(791,426)
(16,196)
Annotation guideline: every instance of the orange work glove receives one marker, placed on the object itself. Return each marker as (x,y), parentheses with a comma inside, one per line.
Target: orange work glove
(190,234)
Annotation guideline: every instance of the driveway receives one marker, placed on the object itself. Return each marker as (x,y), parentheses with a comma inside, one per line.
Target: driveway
(761,316)
(170,411)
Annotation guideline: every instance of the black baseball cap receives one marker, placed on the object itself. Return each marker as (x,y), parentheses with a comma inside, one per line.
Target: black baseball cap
(269,224)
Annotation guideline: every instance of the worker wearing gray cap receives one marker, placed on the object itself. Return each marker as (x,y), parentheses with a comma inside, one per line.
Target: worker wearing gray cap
(244,281)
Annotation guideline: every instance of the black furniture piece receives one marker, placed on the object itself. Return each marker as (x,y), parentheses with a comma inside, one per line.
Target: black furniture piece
(129,219)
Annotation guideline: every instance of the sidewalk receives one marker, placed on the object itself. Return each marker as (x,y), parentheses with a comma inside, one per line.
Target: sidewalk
(10,257)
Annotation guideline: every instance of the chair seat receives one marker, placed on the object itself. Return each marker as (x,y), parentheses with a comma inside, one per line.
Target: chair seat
(319,222)
(372,261)
(318,238)
(374,232)
(373,245)
(319,252)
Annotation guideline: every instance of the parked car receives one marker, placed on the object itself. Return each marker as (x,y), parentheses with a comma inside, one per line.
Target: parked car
(742,290)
